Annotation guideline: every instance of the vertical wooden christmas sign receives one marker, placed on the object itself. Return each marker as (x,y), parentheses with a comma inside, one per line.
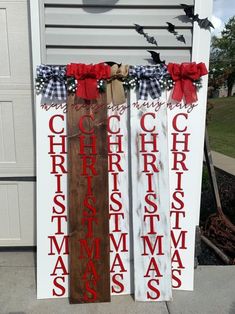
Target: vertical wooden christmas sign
(186,115)
(52,233)
(88,203)
(150,194)
(119,204)
(182,168)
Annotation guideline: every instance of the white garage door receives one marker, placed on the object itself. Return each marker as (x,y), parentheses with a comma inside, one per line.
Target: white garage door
(17,168)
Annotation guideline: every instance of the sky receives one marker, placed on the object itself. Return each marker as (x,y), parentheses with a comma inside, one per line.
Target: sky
(222,11)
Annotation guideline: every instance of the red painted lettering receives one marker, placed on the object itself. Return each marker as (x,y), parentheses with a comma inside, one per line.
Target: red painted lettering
(180,240)
(153,289)
(81,123)
(114,160)
(150,203)
(152,223)
(57,162)
(153,267)
(61,143)
(142,122)
(57,284)
(122,243)
(109,124)
(51,123)
(175,122)
(179,158)
(177,259)
(83,145)
(154,248)
(92,250)
(60,205)
(118,263)
(59,222)
(176,282)
(62,248)
(117,144)
(117,283)
(144,142)
(115,201)
(175,223)
(116,221)
(150,160)
(59,265)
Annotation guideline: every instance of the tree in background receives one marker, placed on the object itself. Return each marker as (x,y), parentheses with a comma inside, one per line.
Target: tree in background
(222,59)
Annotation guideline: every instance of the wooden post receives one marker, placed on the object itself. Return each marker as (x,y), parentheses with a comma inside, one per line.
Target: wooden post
(88,203)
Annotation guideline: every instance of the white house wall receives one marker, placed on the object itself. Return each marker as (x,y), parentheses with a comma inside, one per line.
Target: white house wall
(95,31)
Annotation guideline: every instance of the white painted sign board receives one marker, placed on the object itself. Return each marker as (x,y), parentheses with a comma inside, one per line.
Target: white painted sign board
(52,230)
(120,223)
(150,201)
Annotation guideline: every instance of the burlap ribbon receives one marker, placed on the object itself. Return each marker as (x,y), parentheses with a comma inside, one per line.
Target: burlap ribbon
(115,91)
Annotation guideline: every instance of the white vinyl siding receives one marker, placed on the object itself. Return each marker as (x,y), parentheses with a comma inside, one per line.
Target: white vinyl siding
(95,31)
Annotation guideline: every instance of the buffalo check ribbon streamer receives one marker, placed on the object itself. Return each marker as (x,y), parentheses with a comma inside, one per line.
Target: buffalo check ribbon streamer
(184,75)
(149,79)
(87,76)
(114,90)
(53,79)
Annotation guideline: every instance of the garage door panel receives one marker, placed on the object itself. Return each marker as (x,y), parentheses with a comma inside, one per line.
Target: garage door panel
(14,45)
(7,136)
(16,135)
(17,210)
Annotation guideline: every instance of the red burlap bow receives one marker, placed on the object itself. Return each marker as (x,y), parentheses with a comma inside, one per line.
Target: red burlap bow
(184,74)
(87,77)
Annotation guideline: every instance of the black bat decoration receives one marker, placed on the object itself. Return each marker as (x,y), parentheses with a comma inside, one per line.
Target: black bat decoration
(189,11)
(156,57)
(139,29)
(171,29)
(205,23)
(150,39)
(181,38)
(111,63)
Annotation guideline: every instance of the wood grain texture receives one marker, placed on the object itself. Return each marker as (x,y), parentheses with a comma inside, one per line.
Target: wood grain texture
(89,267)
(119,202)
(150,192)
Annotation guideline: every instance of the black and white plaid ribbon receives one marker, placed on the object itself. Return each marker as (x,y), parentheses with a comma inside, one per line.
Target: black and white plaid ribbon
(149,79)
(53,82)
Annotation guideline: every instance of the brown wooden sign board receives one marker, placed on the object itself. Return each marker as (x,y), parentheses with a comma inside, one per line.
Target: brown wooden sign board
(88,203)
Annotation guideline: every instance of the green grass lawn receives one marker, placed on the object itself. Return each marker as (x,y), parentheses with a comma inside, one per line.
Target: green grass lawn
(221,125)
